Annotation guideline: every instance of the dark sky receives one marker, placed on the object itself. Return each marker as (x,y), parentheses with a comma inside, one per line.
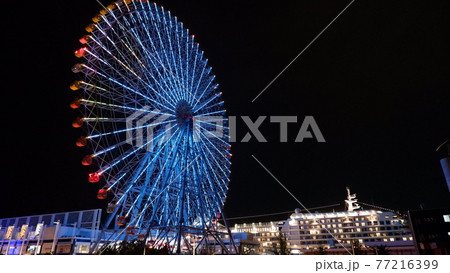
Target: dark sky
(377,82)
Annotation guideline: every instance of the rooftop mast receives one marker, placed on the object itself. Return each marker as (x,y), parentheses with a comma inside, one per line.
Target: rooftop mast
(350,202)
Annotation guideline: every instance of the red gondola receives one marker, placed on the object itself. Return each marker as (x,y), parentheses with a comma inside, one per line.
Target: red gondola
(102,194)
(78,122)
(130,230)
(94,177)
(87,160)
(121,220)
(81,142)
(75,104)
(85,39)
(81,52)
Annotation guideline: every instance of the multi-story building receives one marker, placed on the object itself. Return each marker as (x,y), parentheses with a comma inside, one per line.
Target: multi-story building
(431,230)
(266,233)
(57,233)
(338,231)
(306,233)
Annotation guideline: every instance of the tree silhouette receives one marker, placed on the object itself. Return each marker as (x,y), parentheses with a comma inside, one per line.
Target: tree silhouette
(380,250)
(356,248)
(320,251)
(134,247)
(280,248)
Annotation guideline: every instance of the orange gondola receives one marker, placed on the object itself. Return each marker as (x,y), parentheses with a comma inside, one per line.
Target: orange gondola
(96,19)
(76,85)
(90,28)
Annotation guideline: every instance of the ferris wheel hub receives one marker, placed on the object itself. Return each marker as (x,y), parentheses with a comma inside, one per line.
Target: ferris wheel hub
(184,113)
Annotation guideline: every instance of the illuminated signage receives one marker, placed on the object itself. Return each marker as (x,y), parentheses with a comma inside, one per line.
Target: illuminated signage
(23,231)
(9,232)
(39,228)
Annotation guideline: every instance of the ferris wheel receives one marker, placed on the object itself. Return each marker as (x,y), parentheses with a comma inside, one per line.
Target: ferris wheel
(154,123)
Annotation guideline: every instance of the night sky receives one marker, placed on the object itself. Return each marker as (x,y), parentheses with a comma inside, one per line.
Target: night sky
(377,83)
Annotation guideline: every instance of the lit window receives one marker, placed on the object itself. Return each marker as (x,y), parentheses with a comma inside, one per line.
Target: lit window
(447,218)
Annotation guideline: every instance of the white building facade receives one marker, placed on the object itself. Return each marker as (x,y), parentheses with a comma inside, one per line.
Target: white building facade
(307,232)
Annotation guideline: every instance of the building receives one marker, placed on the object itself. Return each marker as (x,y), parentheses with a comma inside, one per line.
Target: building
(335,232)
(431,231)
(265,233)
(355,229)
(57,233)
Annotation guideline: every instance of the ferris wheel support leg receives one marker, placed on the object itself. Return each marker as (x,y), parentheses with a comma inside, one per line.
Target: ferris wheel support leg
(183,197)
(229,234)
(218,240)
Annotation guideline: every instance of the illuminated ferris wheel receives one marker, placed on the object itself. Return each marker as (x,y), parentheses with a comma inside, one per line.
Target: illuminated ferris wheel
(154,121)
